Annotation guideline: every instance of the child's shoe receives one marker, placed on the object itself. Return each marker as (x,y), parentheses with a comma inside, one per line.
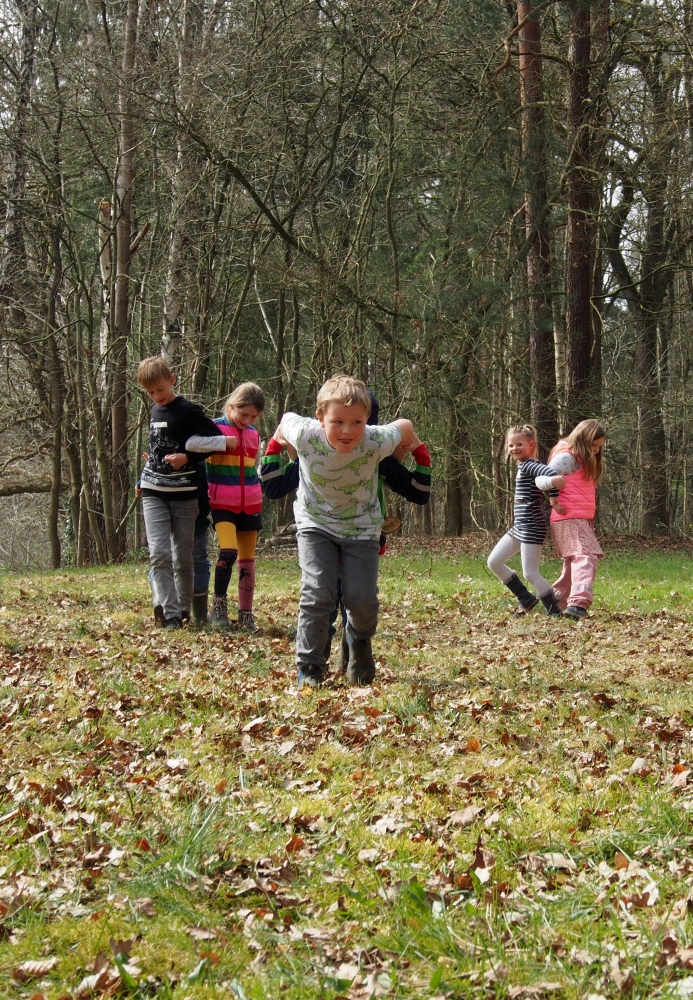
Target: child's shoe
(158,616)
(524,609)
(361,666)
(310,677)
(246,621)
(173,623)
(573,611)
(551,604)
(220,613)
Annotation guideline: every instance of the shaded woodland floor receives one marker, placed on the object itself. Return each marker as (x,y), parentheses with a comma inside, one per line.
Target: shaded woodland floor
(506,813)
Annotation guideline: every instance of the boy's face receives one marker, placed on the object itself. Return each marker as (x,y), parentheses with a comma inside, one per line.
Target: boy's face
(161,391)
(344,425)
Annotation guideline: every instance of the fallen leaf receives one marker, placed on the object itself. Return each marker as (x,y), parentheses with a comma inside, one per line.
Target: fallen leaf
(144,907)
(557,860)
(464,817)
(255,725)
(473,745)
(201,934)
(34,970)
(387,824)
(294,844)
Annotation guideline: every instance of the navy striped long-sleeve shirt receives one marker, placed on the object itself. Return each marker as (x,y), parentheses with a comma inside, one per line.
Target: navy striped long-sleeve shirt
(529,523)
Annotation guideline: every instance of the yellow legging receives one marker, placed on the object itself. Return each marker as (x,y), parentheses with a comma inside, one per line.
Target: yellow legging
(244,542)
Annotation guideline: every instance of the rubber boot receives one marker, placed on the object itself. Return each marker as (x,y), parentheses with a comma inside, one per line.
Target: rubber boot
(220,613)
(526,598)
(361,666)
(199,608)
(551,604)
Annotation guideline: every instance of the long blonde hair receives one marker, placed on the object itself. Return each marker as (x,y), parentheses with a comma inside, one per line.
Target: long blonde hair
(527,431)
(579,442)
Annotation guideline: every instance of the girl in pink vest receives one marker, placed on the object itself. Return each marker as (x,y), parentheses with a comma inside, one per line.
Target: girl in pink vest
(235,499)
(579,458)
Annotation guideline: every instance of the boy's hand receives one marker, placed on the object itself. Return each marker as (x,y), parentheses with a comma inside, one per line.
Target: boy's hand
(231,443)
(558,507)
(558,482)
(178,459)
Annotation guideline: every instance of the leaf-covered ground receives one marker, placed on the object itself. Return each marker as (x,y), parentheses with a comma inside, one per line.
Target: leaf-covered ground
(507,813)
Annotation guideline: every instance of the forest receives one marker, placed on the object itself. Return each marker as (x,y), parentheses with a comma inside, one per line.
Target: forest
(481,208)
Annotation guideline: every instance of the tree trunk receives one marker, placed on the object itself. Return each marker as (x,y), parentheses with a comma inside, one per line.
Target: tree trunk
(581,234)
(13,260)
(544,405)
(121,313)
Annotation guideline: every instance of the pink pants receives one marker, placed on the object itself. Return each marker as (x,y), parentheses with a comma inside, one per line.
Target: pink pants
(575,585)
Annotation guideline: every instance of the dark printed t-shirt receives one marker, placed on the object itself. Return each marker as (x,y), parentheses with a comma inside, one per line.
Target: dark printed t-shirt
(170,427)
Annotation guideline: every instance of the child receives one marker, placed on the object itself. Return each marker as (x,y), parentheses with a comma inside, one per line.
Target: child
(338,518)
(579,458)
(528,532)
(169,491)
(235,498)
(414,486)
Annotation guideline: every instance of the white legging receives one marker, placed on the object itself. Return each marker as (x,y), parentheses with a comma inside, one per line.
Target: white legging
(531,556)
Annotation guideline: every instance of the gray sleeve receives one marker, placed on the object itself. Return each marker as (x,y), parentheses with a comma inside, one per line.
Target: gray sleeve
(203,444)
(564,463)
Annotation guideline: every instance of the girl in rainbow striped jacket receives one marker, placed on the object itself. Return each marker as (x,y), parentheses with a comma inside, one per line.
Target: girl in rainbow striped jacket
(235,499)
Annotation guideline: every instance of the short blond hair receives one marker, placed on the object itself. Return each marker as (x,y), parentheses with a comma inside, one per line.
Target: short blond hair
(245,394)
(152,370)
(346,390)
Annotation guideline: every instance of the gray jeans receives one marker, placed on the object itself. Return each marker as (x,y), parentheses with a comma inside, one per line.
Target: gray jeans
(170,527)
(324,560)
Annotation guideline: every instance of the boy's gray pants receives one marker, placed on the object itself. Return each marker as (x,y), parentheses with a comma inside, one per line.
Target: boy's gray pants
(324,559)
(170,527)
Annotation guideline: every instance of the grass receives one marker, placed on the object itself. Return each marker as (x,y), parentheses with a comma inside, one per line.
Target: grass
(505,813)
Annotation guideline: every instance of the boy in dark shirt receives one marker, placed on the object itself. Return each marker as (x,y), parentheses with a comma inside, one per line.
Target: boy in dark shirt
(169,495)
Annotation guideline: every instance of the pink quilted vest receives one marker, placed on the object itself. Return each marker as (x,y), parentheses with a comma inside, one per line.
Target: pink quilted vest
(579,496)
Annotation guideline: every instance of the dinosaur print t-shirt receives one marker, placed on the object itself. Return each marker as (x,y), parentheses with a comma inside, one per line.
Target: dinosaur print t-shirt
(338,491)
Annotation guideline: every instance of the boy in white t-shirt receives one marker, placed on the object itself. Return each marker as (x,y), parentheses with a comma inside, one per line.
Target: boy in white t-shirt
(338,517)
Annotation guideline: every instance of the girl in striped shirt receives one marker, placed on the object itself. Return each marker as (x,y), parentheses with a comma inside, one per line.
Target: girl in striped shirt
(528,532)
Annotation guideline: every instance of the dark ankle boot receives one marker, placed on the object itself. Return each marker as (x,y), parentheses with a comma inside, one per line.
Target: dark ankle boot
(526,598)
(551,604)
(199,608)
(158,615)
